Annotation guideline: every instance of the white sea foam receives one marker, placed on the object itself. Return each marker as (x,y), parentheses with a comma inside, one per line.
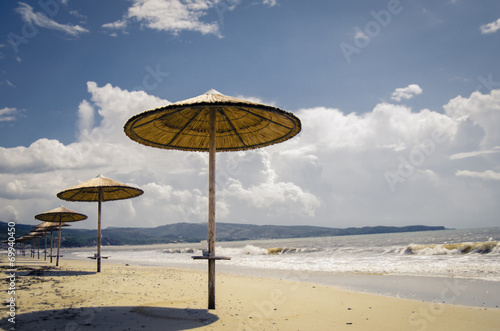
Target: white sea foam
(488,247)
(457,253)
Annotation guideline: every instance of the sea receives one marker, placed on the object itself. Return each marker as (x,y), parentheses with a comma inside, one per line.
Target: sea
(416,265)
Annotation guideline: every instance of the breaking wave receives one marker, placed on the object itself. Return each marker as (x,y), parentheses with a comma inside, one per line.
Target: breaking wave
(179,250)
(487,247)
(280,250)
(246,250)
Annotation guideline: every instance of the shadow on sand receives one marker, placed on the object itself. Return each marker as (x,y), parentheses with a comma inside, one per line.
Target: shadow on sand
(58,273)
(112,318)
(45,271)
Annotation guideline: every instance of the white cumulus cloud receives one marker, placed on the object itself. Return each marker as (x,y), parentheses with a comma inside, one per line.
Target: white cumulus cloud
(8,114)
(171,15)
(120,24)
(85,118)
(482,111)
(465,155)
(491,27)
(39,19)
(487,175)
(270,3)
(406,92)
(175,16)
(332,174)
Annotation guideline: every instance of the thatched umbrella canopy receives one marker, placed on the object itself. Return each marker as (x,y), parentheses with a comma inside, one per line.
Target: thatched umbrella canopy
(99,189)
(60,215)
(48,226)
(22,239)
(240,124)
(212,122)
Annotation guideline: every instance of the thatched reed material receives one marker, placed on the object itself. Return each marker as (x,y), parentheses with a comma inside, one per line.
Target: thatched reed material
(47,227)
(241,124)
(21,239)
(99,189)
(60,215)
(89,190)
(31,235)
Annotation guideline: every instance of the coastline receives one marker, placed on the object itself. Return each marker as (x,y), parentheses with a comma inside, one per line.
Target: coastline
(74,296)
(451,290)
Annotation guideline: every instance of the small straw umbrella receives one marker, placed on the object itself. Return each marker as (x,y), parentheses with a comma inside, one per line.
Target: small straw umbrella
(33,235)
(99,189)
(212,122)
(22,240)
(60,215)
(43,233)
(48,227)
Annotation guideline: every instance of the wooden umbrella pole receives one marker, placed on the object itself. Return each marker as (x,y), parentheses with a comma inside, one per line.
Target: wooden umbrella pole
(45,248)
(38,241)
(51,246)
(58,244)
(98,258)
(211,209)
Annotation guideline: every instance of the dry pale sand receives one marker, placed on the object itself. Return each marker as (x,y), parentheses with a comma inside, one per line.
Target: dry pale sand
(74,297)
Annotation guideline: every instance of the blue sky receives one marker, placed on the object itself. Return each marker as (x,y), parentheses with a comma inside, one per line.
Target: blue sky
(399,102)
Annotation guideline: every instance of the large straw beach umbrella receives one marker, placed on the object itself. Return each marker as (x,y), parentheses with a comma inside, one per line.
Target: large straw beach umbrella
(99,189)
(210,123)
(60,215)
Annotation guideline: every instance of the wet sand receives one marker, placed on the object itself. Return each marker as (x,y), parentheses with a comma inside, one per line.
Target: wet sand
(74,297)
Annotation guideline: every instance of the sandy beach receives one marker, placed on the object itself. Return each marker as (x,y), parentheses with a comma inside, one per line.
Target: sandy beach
(127,297)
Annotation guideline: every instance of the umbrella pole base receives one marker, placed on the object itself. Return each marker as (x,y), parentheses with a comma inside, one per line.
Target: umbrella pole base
(211,276)
(211,284)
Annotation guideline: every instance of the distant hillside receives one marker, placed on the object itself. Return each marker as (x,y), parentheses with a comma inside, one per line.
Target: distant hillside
(21,230)
(194,232)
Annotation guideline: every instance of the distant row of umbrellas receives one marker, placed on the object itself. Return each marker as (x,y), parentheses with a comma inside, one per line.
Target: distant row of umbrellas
(37,232)
(98,189)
